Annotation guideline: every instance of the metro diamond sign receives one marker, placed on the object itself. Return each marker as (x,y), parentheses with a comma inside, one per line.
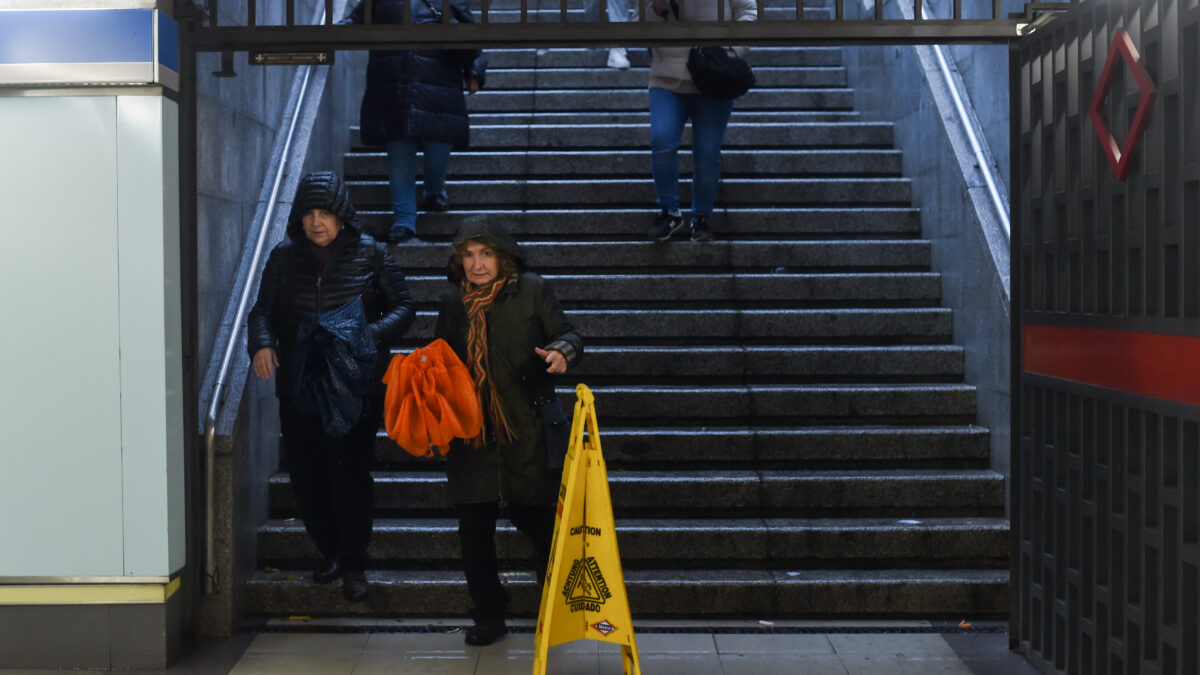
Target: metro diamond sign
(1120,158)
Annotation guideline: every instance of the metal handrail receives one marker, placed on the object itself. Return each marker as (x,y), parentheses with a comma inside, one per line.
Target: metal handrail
(231,344)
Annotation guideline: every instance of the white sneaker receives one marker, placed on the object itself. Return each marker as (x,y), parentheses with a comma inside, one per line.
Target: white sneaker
(617,58)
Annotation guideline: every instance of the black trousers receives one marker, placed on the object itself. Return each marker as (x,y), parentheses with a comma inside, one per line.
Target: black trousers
(331,478)
(477,534)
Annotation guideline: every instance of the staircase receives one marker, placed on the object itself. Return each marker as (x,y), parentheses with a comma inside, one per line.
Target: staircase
(783,413)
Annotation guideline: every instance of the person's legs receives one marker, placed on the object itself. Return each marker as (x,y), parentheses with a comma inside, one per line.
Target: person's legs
(536,522)
(668,113)
(354,489)
(305,455)
(710,117)
(402,176)
(477,536)
(436,156)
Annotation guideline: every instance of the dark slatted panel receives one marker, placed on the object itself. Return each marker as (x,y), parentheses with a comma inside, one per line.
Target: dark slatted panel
(1106,500)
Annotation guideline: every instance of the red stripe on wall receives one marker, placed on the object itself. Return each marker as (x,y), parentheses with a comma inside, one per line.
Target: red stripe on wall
(1150,364)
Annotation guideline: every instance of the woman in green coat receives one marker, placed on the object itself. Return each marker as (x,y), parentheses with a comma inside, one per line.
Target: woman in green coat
(507,327)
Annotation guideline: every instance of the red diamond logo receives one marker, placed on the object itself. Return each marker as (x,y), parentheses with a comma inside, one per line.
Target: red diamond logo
(604,627)
(1120,158)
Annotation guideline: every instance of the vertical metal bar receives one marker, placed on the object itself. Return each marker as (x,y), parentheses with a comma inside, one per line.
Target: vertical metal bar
(720,11)
(252,13)
(917,10)
(406,15)
(877,10)
(328,12)
(483,11)
(957,10)
(839,13)
(446,11)
(367,7)
(524,11)
(996,9)
(291,12)
(212,13)
(562,11)
(1017,468)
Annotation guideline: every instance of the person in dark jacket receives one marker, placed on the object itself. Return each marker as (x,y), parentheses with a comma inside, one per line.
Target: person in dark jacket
(506,326)
(324,264)
(414,101)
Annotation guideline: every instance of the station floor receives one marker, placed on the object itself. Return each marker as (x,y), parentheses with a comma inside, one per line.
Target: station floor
(683,648)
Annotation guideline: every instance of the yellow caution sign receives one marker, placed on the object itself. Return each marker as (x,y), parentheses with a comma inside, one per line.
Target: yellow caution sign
(584,595)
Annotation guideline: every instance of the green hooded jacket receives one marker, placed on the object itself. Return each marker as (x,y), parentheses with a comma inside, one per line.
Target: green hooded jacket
(523,316)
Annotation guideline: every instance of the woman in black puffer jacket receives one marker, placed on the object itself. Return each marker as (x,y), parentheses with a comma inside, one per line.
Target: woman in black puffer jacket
(414,101)
(325,264)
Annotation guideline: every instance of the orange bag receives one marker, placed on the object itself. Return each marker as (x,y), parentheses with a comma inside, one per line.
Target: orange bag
(430,400)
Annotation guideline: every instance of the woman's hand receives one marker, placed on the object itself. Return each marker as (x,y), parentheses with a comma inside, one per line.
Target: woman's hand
(558,362)
(265,361)
(473,85)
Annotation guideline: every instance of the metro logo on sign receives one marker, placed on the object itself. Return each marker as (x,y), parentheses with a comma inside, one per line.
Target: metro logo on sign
(1122,49)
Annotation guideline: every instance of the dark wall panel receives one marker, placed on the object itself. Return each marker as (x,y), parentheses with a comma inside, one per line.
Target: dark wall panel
(1106,501)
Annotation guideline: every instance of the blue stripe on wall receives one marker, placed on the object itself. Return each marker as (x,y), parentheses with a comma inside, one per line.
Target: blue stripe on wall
(168,42)
(80,36)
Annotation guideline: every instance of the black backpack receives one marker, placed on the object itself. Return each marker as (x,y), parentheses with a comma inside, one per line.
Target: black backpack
(719,72)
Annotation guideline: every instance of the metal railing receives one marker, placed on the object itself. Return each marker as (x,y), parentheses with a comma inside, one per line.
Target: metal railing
(244,289)
(523,26)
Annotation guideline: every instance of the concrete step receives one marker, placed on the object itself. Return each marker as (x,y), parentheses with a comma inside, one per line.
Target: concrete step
(610,192)
(553,15)
(711,593)
(662,542)
(648,493)
(882,446)
(642,117)
(522,139)
(779,326)
(561,163)
(900,255)
(593,100)
(579,290)
(638,77)
(534,225)
(797,57)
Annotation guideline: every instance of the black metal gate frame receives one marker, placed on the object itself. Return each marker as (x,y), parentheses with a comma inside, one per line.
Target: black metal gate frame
(209,36)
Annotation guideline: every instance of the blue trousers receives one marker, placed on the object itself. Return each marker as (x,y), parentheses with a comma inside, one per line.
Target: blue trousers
(402,175)
(668,113)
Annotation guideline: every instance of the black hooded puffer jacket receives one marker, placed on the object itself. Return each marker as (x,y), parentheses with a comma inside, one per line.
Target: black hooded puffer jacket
(417,93)
(293,289)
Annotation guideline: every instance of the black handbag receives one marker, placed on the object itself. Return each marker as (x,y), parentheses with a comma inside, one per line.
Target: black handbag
(720,72)
(556,426)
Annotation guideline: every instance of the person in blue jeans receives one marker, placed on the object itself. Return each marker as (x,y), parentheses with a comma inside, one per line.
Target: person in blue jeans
(674,99)
(414,103)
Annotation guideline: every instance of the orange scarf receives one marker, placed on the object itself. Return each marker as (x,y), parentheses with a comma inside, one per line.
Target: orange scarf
(477,301)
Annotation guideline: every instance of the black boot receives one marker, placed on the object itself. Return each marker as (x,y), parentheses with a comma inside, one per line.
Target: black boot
(327,570)
(486,631)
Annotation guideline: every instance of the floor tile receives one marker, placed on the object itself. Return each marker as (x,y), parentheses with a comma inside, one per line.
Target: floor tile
(398,645)
(290,664)
(463,664)
(676,643)
(781,664)
(666,664)
(325,644)
(892,644)
(774,644)
(558,664)
(898,665)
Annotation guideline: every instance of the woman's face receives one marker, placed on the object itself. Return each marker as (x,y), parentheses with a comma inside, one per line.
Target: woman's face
(480,263)
(320,226)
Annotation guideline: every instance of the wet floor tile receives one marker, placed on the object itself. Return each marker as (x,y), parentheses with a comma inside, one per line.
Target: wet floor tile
(676,643)
(781,664)
(804,643)
(325,644)
(899,665)
(289,664)
(908,645)
(666,663)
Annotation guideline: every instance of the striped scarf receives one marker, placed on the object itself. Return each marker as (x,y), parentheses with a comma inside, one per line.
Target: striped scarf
(477,301)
